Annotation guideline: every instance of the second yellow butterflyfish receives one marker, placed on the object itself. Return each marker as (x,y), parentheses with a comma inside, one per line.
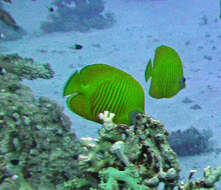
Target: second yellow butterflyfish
(166,72)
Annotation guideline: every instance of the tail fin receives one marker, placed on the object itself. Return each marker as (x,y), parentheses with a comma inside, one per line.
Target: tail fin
(148,70)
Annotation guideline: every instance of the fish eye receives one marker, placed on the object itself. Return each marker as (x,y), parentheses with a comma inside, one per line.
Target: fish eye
(184,79)
(182,82)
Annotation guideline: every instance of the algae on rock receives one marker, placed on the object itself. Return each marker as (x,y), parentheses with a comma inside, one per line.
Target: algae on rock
(36,140)
(135,158)
(128,158)
(25,67)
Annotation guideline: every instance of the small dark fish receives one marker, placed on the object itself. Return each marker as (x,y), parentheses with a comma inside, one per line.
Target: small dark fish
(50,9)
(7,19)
(77,46)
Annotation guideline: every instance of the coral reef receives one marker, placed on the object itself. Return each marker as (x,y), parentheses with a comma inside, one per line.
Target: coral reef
(190,141)
(128,158)
(38,149)
(78,15)
(137,158)
(25,67)
(36,141)
(207,182)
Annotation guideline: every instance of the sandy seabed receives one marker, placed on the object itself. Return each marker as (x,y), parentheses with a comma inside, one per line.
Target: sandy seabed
(192,27)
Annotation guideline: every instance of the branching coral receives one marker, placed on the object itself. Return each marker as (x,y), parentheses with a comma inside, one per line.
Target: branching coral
(139,157)
(111,176)
(121,153)
(207,182)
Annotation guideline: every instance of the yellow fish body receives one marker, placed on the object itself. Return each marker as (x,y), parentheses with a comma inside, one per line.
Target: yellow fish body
(101,87)
(167,73)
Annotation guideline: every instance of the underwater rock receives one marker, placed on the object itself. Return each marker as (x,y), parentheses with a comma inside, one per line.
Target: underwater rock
(78,15)
(25,67)
(196,107)
(190,141)
(9,28)
(36,140)
(187,100)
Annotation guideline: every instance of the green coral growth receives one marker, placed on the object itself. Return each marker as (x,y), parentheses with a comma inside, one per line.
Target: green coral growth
(111,176)
(25,67)
(37,146)
(207,182)
(128,158)
(131,158)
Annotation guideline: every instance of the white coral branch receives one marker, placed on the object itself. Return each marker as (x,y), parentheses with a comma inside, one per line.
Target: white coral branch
(107,119)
